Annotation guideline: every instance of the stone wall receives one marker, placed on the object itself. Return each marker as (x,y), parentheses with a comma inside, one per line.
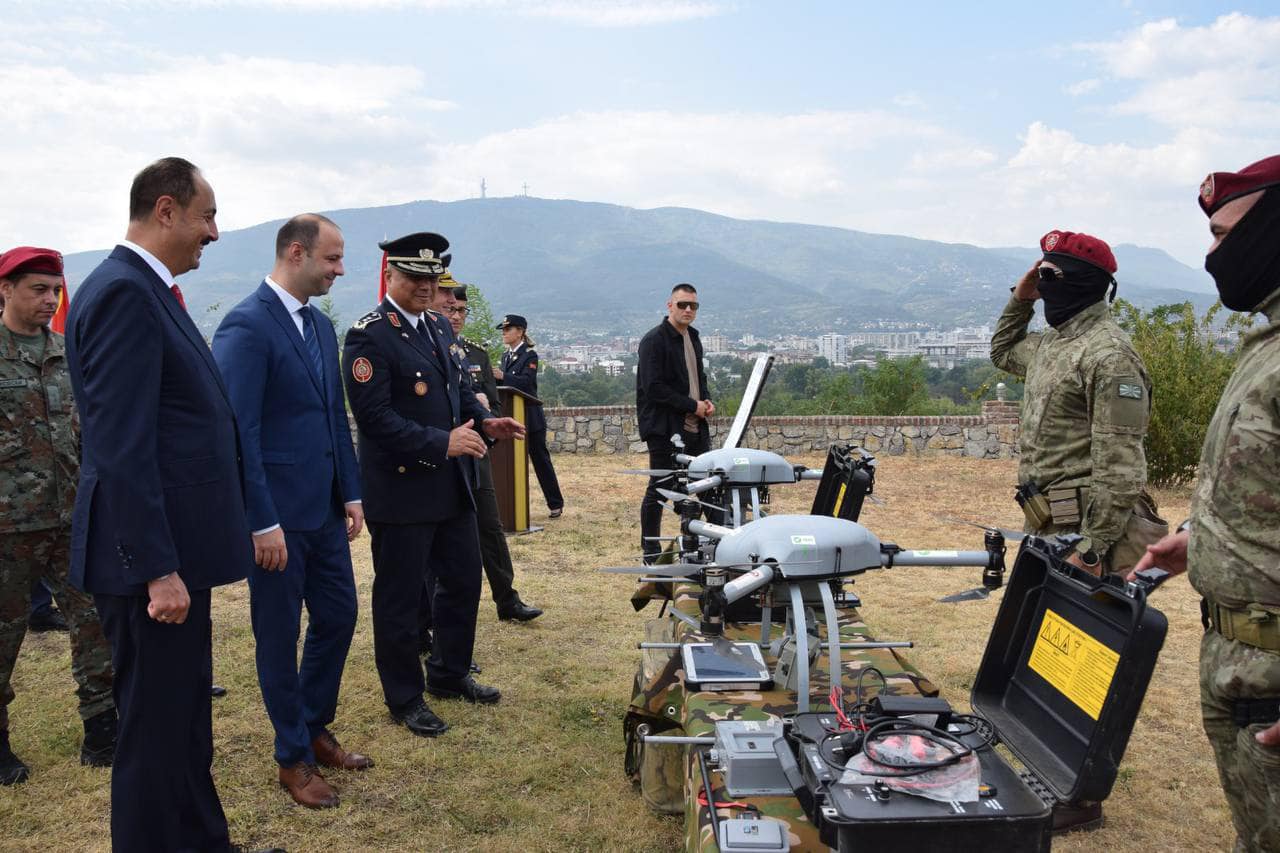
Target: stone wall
(990,435)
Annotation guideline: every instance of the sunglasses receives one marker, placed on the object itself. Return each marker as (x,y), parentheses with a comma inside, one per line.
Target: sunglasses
(1050,274)
(687,306)
(456,312)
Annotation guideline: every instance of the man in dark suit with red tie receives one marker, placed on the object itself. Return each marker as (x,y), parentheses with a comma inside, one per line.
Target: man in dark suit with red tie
(279,360)
(417,417)
(159,518)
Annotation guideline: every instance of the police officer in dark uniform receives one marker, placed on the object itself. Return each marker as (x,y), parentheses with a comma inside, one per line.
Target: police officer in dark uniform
(416,416)
(493,542)
(520,370)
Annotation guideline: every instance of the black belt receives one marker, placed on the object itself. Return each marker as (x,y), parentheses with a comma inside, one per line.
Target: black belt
(1246,712)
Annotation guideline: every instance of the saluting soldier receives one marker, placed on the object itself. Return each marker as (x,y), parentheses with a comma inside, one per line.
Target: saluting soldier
(1085,413)
(40,446)
(520,370)
(416,416)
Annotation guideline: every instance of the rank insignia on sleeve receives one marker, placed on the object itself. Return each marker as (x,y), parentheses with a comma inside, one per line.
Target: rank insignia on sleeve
(533,365)
(394,319)
(362,370)
(371,317)
(1130,391)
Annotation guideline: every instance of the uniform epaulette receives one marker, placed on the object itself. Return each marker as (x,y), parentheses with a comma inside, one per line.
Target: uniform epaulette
(467,342)
(371,317)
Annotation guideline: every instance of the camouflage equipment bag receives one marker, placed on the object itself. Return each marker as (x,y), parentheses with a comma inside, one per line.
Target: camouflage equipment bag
(1144,527)
(657,708)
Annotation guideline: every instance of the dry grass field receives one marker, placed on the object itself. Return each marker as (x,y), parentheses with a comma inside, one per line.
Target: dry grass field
(543,770)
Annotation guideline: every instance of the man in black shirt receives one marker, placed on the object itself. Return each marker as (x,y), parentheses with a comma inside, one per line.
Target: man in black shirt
(671,399)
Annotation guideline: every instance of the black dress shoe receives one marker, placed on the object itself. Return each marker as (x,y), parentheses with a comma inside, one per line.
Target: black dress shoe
(419,719)
(47,619)
(556,513)
(518,612)
(466,689)
(217,691)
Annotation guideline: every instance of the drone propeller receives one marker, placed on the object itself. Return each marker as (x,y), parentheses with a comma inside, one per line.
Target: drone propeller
(976,594)
(1010,535)
(680,496)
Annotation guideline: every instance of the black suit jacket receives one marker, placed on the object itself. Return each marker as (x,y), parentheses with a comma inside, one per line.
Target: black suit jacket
(662,383)
(480,369)
(407,392)
(161,488)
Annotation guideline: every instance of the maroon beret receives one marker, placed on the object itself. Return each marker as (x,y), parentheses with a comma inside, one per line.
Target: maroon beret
(1088,249)
(29,259)
(1222,187)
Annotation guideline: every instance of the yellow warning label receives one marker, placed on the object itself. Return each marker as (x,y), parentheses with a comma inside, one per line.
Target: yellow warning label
(835,510)
(1080,667)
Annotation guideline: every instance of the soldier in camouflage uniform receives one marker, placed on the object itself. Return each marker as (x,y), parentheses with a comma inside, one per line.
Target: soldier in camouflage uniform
(39,467)
(1086,406)
(1231,543)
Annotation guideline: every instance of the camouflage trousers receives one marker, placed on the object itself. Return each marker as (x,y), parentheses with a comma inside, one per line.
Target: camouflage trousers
(45,554)
(1250,772)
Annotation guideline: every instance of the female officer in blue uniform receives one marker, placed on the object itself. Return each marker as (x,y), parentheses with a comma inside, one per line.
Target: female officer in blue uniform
(520,370)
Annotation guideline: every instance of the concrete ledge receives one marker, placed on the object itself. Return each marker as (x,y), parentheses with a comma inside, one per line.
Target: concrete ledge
(990,435)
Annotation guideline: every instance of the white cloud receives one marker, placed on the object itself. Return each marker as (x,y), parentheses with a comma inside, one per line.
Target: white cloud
(1223,75)
(594,13)
(1083,87)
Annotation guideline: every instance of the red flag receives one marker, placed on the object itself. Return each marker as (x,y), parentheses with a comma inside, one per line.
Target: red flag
(382,279)
(59,321)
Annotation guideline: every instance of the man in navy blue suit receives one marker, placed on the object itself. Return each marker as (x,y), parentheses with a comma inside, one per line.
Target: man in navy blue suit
(279,359)
(417,418)
(159,517)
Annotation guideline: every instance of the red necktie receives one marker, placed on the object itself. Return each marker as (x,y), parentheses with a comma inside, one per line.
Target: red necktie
(177,294)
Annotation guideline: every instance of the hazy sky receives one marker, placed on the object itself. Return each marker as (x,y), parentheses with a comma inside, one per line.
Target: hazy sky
(986,123)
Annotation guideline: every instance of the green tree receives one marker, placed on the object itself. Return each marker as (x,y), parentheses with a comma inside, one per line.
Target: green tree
(1188,373)
(325,304)
(895,386)
(479,326)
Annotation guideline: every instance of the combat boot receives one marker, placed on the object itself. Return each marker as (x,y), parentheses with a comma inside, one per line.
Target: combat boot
(12,770)
(99,748)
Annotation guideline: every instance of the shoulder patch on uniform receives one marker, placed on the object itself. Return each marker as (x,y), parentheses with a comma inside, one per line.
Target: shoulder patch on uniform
(362,370)
(371,317)
(1129,390)
(533,364)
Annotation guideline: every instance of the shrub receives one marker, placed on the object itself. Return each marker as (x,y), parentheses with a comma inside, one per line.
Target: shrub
(1188,371)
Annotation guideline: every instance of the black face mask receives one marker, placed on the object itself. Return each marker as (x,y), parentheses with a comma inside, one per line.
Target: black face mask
(1246,264)
(1082,285)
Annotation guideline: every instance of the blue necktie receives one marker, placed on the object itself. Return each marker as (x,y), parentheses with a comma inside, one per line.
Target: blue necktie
(310,339)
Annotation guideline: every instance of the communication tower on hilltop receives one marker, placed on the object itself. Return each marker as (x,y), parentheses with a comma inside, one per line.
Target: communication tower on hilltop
(482,188)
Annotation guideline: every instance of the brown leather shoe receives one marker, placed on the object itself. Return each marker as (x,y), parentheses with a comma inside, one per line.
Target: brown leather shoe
(307,787)
(329,753)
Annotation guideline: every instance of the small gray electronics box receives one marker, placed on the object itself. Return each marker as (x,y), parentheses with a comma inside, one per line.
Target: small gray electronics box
(748,835)
(748,764)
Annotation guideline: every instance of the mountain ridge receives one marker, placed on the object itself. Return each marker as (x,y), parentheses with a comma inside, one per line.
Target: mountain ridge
(600,267)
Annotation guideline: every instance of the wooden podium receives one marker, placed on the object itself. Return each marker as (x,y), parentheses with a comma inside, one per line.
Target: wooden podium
(510,463)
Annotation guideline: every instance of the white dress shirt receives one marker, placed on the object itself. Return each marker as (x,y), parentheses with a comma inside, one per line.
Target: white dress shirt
(291,305)
(151,261)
